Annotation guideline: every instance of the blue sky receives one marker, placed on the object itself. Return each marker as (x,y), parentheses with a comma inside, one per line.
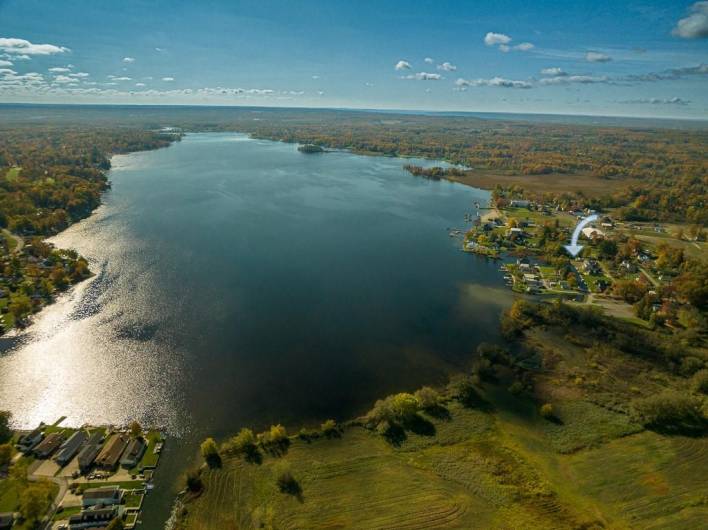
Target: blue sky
(643,58)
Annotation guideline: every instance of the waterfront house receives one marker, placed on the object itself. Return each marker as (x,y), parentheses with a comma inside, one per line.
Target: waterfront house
(106,496)
(68,449)
(519,203)
(50,444)
(87,455)
(110,454)
(133,453)
(99,517)
(28,441)
(591,266)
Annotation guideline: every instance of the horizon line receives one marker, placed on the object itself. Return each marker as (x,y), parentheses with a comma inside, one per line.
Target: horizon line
(355,109)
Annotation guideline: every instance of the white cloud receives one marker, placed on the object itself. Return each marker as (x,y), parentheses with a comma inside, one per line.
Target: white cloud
(493,82)
(368,84)
(403,65)
(128,59)
(555,71)
(597,57)
(140,85)
(315,77)
(7,71)
(63,79)
(5,63)
(424,76)
(168,79)
(25,48)
(566,79)
(492,39)
(79,74)
(447,67)
(657,101)
(504,48)
(428,60)
(159,49)
(58,70)
(114,78)
(524,47)
(695,25)
(320,93)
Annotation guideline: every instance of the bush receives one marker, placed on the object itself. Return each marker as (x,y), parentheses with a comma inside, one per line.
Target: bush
(700,381)
(5,454)
(397,408)
(210,452)
(546,411)
(690,365)
(5,431)
(243,442)
(194,481)
(329,427)
(671,412)
(274,436)
(427,397)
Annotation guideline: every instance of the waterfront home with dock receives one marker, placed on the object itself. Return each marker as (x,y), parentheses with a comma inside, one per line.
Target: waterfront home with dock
(68,449)
(28,441)
(110,454)
(133,453)
(94,518)
(106,496)
(50,444)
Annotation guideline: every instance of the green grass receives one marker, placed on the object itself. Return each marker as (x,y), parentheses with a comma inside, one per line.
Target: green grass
(9,495)
(12,173)
(66,513)
(133,500)
(149,459)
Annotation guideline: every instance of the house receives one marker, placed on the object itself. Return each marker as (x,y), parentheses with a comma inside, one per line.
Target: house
(50,444)
(591,266)
(87,455)
(628,266)
(6,520)
(68,449)
(519,203)
(592,233)
(532,280)
(133,453)
(27,442)
(107,496)
(110,454)
(94,518)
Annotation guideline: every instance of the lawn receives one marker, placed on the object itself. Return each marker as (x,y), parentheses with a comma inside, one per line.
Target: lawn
(9,495)
(149,459)
(127,485)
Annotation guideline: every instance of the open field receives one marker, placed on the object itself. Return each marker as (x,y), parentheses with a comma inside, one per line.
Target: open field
(495,464)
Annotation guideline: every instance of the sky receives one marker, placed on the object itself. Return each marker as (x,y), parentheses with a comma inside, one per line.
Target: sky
(634,58)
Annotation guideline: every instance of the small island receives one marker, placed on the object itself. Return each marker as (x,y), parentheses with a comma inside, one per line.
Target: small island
(310,149)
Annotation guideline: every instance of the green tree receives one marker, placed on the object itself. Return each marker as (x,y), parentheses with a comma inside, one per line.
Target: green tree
(243,442)
(135,429)
(210,452)
(5,454)
(427,397)
(116,524)
(5,431)
(35,500)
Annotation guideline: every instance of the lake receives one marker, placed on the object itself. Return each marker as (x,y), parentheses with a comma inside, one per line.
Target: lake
(239,282)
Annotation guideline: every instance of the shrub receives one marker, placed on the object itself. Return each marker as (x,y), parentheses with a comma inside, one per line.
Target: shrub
(243,442)
(427,397)
(546,411)
(397,408)
(700,381)
(194,481)
(462,388)
(5,454)
(671,412)
(329,427)
(210,452)
(516,388)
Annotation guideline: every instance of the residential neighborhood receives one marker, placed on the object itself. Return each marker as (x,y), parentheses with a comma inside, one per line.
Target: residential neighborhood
(94,475)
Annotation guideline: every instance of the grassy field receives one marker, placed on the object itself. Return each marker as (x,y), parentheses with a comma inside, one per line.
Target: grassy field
(498,464)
